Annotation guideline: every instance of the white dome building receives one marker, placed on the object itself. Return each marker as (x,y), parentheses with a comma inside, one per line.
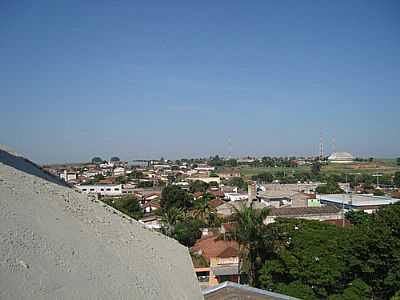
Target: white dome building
(341,157)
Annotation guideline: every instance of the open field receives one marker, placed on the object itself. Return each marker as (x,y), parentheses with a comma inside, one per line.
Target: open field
(385,166)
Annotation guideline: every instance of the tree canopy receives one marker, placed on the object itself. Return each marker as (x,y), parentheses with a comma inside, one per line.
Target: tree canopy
(174,196)
(97,160)
(331,187)
(315,260)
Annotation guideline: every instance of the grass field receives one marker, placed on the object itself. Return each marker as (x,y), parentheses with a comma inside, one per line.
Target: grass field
(385,166)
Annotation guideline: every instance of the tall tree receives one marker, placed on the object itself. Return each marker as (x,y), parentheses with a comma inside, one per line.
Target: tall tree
(202,210)
(396,179)
(316,168)
(249,233)
(174,196)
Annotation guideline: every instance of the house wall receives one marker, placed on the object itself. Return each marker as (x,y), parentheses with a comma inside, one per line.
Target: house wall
(104,190)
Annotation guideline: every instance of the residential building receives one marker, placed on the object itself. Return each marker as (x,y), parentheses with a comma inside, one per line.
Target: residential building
(103,190)
(228,173)
(236,196)
(222,257)
(119,171)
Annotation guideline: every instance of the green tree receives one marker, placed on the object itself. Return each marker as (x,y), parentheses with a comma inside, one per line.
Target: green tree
(169,218)
(375,254)
(357,217)
(216,161)
(398,161)
(304,259)
(188,231)
(231,162)
(114,159)
(357,290)
(396,179)
(203,212)
(173,196)
(238,182)
(315,168)
(378,192)
(263,177)
(129,205)
(329,188)
(135,175)
(97,160)
(198,186)
(249,233)
(134,209)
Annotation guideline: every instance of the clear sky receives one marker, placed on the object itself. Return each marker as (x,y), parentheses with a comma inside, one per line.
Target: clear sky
(194,78)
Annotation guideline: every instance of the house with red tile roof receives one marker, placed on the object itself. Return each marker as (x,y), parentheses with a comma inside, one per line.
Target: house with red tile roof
(222,257)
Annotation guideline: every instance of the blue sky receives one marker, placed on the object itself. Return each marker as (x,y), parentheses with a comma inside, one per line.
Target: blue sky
(194,78)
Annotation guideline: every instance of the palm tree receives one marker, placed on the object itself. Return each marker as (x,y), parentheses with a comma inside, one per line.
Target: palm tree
(249,233)
(169,218)
(203,211)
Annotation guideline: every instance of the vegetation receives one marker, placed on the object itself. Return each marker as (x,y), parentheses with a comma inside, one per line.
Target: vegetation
(145,184)
(316,168)
(97,160)
(329,188)
(357,217)
(238,182)
(396,179)
(94,180)
(315,260)
(183,217)
(205,213)
(174,196)
(129,205)
(250,233)
(198,186)
(264,177)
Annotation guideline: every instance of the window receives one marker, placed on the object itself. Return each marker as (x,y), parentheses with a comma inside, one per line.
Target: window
(108,189)
(116,189)
(91,190)
(84,190)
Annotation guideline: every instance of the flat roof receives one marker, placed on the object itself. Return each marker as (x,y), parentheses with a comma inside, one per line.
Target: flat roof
(357,199)
(231,290)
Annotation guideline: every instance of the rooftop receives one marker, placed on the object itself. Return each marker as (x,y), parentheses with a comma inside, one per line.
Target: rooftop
(357,200)
(230,290)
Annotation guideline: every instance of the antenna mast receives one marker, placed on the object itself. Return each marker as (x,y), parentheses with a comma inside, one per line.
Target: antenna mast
(321,147)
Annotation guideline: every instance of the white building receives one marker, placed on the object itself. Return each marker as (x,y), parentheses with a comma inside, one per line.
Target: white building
(101,189)
(68,176)
(236,196)
(205,179)
(119,171)
(341,158)
(204,168)
(366,203)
